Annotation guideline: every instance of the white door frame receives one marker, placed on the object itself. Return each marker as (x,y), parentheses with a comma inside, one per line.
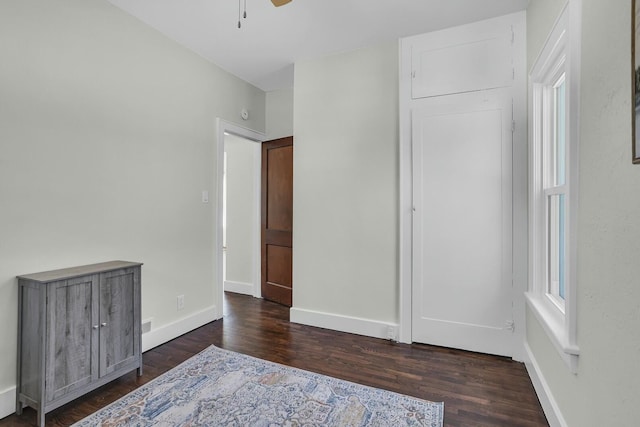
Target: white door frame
(520,198)
(223,127)
(405,214)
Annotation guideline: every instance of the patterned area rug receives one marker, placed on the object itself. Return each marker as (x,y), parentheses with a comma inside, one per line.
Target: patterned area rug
(222,388)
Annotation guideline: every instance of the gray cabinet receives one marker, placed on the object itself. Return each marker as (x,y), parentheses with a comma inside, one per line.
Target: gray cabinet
(78,328)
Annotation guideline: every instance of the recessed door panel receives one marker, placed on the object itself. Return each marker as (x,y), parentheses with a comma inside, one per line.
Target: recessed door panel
(118,325)
(280,194)
(463,59)
(279,265)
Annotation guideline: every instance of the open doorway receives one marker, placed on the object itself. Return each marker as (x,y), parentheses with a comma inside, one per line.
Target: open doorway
(238,215)
(237,248)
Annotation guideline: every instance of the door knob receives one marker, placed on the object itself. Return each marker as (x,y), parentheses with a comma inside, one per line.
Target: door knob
(103,324)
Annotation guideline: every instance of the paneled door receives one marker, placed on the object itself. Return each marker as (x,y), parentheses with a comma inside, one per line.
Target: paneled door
(462,290)
(277,220)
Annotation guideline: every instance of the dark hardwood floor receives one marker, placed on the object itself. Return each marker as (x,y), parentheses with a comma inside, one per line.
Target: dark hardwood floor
(478,390)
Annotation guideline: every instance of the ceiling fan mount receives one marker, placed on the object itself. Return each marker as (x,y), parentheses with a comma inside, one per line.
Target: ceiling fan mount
(278,3)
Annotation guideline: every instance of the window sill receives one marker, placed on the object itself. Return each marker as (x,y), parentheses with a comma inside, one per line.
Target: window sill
(553,324)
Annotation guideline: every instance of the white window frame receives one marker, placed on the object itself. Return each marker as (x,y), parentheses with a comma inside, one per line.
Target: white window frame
(547,90)
(560,56)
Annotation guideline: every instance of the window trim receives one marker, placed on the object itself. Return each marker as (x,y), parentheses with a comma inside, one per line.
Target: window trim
(560,54)
(550,185)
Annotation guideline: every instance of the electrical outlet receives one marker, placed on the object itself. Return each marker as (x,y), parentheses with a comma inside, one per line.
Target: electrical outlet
(180,301)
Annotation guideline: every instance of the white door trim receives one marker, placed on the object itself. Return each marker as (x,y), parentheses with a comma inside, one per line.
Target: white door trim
(405,216)
(223,127)
(520,209)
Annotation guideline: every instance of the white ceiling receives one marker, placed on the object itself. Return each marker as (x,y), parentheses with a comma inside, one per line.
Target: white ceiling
(272,39)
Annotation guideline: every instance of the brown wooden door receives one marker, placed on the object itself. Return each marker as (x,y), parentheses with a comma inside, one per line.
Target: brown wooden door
(277,219)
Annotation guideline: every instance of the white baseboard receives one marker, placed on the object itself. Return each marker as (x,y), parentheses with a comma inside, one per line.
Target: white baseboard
(353,325)
(548,402)
(238,287)
(165,333)
(7,402)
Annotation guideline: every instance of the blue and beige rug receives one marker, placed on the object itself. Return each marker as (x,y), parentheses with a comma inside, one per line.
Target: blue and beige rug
(222,388)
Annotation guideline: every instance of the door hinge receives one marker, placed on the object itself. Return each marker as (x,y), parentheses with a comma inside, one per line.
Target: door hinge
(513,35)
(513,126)
(413,74)
(510,325)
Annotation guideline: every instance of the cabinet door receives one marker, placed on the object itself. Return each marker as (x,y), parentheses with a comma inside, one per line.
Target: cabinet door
(119,319)
(71,353)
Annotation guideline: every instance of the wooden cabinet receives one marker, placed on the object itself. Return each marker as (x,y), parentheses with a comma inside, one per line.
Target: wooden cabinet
(78,328)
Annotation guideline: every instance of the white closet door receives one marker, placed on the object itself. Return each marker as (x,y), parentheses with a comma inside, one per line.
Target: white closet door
(462,291)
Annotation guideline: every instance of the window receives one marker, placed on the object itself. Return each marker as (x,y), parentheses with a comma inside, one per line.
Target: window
(555,189)
(553,183)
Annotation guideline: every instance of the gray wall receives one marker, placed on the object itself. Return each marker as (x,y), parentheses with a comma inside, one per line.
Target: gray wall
(279,113)
(606,388)
(107,138)
(346,183)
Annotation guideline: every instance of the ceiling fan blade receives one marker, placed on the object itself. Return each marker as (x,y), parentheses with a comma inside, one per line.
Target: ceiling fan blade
(278,3)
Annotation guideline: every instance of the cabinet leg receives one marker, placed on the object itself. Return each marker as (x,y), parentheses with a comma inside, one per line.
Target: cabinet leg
(140,371)
(41,415)
(19,407)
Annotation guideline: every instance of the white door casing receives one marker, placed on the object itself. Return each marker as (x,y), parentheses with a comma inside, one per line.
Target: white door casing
(223,127)
(481,63)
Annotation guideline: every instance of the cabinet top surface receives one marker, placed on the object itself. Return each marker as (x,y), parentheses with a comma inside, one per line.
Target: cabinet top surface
(84,270)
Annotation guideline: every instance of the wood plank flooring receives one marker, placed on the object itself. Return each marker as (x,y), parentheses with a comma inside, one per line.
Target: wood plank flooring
(478,390)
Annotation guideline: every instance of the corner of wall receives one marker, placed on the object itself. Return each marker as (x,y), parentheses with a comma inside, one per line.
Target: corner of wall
(279,113)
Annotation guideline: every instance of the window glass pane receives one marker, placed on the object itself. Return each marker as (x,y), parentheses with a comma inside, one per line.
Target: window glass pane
(559,132)
(556,246)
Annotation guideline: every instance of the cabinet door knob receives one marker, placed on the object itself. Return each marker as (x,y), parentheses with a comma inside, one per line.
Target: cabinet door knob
(95,326)
(103,324)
